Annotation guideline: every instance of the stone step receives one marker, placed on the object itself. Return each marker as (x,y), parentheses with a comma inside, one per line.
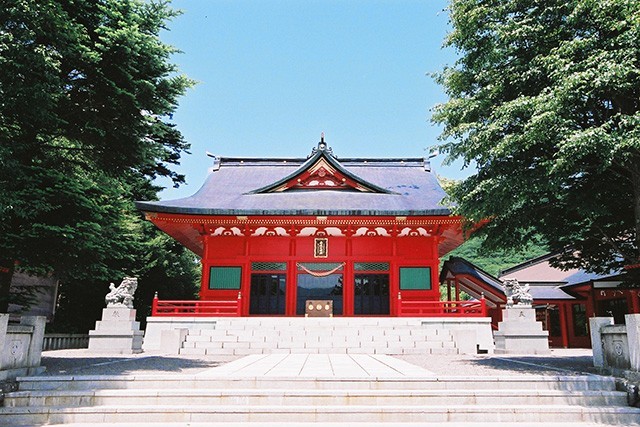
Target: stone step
(336,424)
(228,381)
(23,416)
(337,321)
(316,344)
(239,339)
(207,397)
(325,329)
(249,337)
(193,351)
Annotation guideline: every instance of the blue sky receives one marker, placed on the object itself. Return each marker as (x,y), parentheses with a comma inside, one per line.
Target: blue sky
(272,75)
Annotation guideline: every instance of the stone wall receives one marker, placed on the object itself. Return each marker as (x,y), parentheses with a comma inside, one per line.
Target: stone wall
(616,346)
(21,346)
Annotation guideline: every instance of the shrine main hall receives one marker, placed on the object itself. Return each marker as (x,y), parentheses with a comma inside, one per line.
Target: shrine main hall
(364,234)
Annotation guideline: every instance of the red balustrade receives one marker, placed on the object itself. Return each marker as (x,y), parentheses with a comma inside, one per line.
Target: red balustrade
(230,307)
(421,308)
(405,308)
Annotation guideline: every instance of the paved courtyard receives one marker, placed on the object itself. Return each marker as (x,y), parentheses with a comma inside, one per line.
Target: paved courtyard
(319,366)
(81,362)
(327,389)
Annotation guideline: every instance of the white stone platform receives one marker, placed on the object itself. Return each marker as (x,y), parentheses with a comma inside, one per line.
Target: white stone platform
(241,336)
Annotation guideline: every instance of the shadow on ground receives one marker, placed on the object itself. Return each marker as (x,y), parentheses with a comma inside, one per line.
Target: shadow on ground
(538,365)
(123,365)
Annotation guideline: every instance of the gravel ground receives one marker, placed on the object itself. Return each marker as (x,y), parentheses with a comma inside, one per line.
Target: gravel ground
(81,362)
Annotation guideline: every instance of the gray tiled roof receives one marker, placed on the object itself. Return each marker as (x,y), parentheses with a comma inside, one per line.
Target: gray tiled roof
(540,270)
(539,291)
(227,190)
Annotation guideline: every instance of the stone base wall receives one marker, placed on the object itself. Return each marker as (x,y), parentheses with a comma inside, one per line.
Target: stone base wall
(372,335)
(21,346)
(616,346)
(616,351)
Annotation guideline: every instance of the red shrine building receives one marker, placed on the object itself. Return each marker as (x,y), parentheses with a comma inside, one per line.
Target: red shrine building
(564,300)
(365,234)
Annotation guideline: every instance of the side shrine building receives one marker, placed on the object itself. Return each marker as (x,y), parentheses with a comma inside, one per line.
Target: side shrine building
(363,235)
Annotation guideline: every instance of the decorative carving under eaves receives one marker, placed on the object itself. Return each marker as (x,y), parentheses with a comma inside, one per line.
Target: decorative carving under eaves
(270,231)
(415,232)
(225,231)
(321,231)
(373,231)
(322,179)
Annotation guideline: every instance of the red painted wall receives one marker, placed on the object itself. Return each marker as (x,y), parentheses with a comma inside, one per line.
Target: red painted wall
(409,251)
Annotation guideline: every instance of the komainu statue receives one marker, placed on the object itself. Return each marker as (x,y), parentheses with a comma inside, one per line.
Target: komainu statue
(516,294)
(122,296)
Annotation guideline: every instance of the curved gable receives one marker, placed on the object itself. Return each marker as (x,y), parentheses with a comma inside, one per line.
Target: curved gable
(322,171)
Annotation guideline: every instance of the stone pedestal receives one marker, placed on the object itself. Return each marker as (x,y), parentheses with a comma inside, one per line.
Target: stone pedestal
(633,338)
(117,332)
(520,333)
(21,346)
(596,324)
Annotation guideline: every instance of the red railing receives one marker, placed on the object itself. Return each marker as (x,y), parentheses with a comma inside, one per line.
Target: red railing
(230,307)
(420,308)
(405,308)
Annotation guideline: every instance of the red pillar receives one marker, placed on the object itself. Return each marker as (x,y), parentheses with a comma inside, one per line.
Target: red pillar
(348,277)
(292,276)
(564,325)
(154,304)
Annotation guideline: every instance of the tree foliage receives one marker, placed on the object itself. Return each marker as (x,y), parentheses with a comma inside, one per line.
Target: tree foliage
(545,99)
(86,87)
(495,261)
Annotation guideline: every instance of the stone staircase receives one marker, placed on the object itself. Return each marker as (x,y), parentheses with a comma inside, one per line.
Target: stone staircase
(227,399)
(245,336)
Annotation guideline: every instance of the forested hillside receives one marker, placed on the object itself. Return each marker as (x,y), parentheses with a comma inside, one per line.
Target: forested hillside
(494,261)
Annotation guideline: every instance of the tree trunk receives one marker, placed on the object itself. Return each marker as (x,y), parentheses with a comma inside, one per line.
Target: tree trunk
(6,274)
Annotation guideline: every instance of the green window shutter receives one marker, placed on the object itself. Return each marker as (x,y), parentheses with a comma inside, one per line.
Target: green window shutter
(271,266)
(225,277)
(415,278)
(371,266)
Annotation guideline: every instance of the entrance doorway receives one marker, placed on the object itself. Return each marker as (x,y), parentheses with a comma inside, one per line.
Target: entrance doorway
(371,294)
(267,294)
(327,287)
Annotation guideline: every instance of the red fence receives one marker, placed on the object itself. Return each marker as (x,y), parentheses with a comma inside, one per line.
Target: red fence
(420,308)
(230,307)
(405,308)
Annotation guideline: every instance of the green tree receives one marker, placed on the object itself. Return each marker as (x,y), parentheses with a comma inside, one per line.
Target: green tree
(86,87)
(161,265)
(495,261)
(545,100)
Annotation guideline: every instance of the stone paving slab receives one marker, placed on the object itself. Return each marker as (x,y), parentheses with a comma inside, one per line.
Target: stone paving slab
(350,424)
(318,366)
(83,362)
